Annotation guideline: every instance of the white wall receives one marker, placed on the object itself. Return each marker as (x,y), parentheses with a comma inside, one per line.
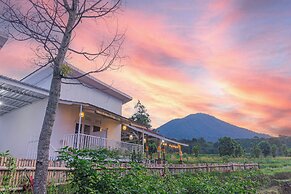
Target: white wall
(114,129)
(80,93)
(67,117)
(76,92)
(20,126)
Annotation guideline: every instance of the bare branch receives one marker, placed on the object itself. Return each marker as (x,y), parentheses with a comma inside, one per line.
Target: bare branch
(51,25)
(118,38)
(106,64)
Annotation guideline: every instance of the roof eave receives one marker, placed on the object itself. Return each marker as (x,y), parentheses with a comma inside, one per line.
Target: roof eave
(100,85)
(23,85)
(157,135)
(95,82)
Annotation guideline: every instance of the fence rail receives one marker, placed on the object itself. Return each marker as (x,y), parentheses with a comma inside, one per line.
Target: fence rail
(24,169)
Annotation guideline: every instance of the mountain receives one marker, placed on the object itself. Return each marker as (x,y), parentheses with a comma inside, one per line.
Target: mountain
(206,126)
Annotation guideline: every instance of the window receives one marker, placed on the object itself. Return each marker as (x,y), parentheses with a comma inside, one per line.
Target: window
(96,129)
(87,129)
(77,128)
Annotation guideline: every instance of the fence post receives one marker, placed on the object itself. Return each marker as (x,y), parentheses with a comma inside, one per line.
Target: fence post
(164,170)
(232,167)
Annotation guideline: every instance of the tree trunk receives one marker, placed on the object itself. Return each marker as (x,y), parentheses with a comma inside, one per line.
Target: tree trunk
(41,172)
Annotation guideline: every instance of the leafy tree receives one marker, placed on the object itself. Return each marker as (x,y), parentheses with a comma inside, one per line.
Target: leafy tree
(256,151)
(141,116)
(204,147)
(51,25)
(274,150)
(238,150)
(152,148)
(229,147)
(196,150)
(226,146)
(284,150)
(265,148)
(248,145)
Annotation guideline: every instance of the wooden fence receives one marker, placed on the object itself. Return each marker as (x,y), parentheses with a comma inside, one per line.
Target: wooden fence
(192,168)
(22,171)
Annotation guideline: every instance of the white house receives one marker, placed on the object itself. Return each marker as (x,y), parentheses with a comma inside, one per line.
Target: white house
(89,115)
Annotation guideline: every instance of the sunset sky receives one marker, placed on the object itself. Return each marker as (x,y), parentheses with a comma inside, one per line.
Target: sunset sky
(230,59)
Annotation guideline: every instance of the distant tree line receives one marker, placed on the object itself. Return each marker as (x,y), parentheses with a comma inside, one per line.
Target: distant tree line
(229,147)
(199,145)
(278,145)
(226,146)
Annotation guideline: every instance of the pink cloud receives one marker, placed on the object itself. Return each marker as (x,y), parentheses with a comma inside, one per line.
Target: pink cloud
(235,84)
(16,59)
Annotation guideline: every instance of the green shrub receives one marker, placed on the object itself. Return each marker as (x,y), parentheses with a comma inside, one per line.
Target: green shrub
(7,178)
(89,173)
(86,178)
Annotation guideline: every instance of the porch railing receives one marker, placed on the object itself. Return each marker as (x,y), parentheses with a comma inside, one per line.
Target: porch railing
(94,142)
(32,151)
(86,142)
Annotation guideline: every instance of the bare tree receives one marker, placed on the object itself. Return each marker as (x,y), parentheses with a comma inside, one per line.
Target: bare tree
(3,39)
(51,24)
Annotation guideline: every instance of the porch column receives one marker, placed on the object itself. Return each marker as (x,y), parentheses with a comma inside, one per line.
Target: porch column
(79,127)
(143,143)
(147,148)
(180,153)
(159,149)
(164,153)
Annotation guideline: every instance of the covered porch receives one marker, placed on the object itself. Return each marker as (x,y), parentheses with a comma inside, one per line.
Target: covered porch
(135,133)
(85,126)
(96,128)
(99,128)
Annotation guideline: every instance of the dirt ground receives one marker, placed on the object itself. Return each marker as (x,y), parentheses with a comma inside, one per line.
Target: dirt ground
(279,184)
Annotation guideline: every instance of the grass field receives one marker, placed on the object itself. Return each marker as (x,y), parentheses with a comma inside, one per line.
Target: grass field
(265,162)
(275,172)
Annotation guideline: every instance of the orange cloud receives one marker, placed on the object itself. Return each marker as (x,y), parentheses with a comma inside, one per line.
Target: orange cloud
(220,69)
